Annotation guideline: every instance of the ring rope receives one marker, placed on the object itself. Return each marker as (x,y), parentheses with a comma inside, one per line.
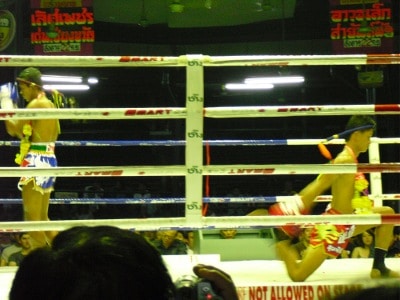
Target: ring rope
(272,142)
(203,60)
(178,200)
(302,110)
(210,112)
(181,223)
(194,65)
(179,170)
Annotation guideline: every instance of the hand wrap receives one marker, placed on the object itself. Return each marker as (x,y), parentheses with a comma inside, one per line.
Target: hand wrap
(25,144)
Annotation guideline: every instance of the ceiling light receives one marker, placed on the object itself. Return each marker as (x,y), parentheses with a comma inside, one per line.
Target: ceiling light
(66,87)
(57,78)
(92,80)
(248,86)
(275,80)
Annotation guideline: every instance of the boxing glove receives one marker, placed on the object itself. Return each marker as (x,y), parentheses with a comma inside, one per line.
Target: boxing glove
(8,96)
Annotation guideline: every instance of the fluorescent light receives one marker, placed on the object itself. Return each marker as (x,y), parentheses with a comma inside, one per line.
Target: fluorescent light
(56,78)
(66,87)
(245,86)
(92,80)
(275,80)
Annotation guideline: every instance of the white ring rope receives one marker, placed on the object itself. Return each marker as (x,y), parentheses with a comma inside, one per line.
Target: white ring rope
(170,200)
(211,112)
(205,222)
(204,60)
(178,170)
(288,142)
(301,110)
(193,113)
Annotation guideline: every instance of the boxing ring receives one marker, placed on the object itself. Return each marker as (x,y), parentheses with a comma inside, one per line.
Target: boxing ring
(254,279)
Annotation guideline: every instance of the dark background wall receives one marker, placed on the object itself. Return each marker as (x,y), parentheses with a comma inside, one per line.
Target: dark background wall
(305,33)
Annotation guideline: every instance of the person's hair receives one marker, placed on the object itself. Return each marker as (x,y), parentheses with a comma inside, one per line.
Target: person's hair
(359,123)
(31,76)
(93,263)
(359,238)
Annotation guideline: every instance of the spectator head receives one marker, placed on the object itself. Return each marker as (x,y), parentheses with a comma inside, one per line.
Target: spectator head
(365,239)
(24,239)
(93,263)
(168,237)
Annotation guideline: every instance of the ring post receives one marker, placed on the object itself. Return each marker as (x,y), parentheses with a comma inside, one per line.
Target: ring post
(375,177)
(194,139)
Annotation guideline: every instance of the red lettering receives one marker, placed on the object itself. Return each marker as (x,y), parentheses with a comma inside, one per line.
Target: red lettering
(137,112)
(323,292)
(298,109)
(252,171)
(4,115)
(117,173)
(131,112)
(144,59)
(297,292)
(157,112)
(124,59)
(5,59)
(309,292)
(273,296)
(258,293)
(292,292)
(139,58)
(252,292)
(91,173)
(342,289)
(101,173)
(338,290)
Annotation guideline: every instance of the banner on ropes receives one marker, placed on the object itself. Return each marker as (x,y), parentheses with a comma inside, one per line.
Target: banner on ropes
(361,26)
(295,292)
(62,27)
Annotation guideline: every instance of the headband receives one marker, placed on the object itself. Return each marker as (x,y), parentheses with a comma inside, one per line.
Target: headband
(348,131)
(27,82)
(324,150)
